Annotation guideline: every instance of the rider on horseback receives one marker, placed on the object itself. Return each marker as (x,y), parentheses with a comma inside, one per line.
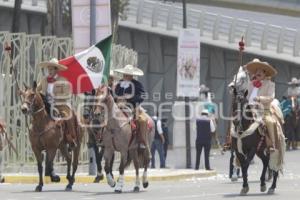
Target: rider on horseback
(130,91)
(56,91)
(262,91)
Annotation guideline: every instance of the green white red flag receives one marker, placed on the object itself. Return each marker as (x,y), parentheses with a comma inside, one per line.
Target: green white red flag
(90,68)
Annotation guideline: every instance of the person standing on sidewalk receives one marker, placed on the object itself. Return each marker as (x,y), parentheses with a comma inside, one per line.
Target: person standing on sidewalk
(166,137)
(2,132)
(205,127)
(158,143)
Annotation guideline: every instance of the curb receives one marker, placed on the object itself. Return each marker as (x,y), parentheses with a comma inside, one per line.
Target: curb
(31,179)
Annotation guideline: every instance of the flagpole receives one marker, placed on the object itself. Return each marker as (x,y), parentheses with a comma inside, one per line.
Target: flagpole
(92,22)
(92,163)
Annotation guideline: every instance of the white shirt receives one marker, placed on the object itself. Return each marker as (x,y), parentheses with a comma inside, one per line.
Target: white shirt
(49,94)
(124,84)
(158,125)
(253,94)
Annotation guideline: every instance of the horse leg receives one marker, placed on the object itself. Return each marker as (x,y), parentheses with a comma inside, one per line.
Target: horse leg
(270,174)
(120,182)
(112,164)
(146,165)
(244,167)
(108,155)
(50,155)
(39,157)
(265,161)
(136,163)
(68,157)
(76,152)
(273,186)
(99,156)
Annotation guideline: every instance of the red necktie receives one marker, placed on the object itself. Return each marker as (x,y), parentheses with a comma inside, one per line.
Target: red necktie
(50,79)
(257,83)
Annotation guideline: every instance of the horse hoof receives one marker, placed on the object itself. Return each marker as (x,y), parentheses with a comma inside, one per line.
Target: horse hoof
(146,184)
(39,188)
(118,191)
(2,180)
(271,191)
(136,189)
(69,188)
(112,184)
(234,179)
(263,188)
(244,191)
(55,179)
(98,178)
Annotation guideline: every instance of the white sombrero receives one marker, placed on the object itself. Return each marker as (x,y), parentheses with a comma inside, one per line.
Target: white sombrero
(130,70)
(294,81)
(53,63)
(256,64)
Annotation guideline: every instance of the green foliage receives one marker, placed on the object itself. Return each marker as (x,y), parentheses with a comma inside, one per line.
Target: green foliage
(119,8)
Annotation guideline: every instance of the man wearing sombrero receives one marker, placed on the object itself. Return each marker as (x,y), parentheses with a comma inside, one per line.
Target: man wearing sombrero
(291,108)
(131,91)
(262,91)
(57,92)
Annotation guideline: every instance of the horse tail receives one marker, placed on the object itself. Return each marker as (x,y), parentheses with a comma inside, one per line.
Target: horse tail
(129,159)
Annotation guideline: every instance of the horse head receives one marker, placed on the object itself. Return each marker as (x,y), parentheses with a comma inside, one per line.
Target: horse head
(32,101)
(88,107)
(239,84)
(103,103)
(239,88)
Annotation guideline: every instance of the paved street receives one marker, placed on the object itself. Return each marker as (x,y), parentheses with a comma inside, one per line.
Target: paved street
(216,187)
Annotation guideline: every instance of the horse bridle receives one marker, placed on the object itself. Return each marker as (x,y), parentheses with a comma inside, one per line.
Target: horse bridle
(31,104)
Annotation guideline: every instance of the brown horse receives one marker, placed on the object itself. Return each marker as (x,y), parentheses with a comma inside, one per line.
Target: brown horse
(48,135)
(118,136)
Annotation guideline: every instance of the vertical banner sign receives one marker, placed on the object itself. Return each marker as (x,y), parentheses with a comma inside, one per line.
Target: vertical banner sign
(81,22)
(188,63)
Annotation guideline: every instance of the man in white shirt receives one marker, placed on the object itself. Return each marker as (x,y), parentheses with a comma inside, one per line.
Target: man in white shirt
(205,128)
(158,143)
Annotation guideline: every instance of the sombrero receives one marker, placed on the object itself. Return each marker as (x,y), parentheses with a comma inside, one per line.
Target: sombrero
(53,63)
(130,70)
(294,81)
(256,64)
(203,88)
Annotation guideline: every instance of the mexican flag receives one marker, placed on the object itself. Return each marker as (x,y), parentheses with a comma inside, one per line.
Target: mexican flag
(89,68)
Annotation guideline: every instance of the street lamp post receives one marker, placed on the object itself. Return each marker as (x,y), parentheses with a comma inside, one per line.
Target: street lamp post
(187,108)
(187,100)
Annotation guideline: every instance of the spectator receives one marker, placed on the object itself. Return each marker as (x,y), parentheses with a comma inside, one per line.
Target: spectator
(205,128)
(166,136)
(158,143)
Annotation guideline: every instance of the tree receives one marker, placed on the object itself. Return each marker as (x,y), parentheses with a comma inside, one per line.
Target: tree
(59,18)
(16,17)
(118,9)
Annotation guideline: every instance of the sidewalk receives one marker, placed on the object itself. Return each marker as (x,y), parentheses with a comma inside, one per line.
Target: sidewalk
(153,175)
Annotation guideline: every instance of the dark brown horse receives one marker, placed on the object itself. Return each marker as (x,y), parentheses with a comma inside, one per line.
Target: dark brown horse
(247,141)
(48,135)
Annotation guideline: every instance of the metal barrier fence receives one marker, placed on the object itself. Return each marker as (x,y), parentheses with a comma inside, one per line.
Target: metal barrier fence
(28,51)
(162,17)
